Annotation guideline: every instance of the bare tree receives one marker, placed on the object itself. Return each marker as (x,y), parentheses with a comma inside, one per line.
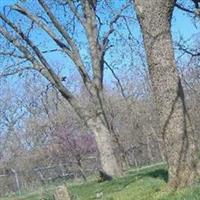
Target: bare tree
(175,124)
(86,14)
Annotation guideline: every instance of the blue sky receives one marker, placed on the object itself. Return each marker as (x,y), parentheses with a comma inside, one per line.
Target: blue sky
(6,2)
(182,25)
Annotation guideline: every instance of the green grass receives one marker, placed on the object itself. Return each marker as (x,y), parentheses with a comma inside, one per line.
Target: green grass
(145,184)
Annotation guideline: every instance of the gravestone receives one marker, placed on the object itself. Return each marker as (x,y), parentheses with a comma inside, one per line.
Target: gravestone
(61,193)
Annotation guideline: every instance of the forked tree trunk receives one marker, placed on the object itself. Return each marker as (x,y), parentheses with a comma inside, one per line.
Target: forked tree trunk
(175,125)
(109,163)
(97,49)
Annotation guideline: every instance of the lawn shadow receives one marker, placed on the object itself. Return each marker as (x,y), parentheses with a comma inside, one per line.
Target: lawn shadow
(158,173)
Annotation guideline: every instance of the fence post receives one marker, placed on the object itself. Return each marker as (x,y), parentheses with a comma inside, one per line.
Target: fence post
(16,180)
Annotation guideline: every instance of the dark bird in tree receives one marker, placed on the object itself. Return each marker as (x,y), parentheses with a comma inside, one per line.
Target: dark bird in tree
(63,78)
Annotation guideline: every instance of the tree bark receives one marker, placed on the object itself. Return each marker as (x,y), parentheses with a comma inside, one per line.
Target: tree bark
(104,139)
(175,126)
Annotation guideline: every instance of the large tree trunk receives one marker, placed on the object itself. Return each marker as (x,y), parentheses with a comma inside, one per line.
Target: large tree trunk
(109,163)
(175,125)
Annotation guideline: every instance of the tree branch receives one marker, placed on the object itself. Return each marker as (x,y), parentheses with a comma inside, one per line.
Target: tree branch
(75,52)
(42,66)
(179,6)
(111,25)
(96,52)
(5,74)
(116,77)
(75,12)
(72,53)
(187,51)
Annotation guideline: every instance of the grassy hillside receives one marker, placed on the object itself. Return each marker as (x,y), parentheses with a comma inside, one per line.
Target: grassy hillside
(145,184)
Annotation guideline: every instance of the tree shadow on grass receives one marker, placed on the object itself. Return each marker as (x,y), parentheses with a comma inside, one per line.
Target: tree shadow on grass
(122,183)
(158,173)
